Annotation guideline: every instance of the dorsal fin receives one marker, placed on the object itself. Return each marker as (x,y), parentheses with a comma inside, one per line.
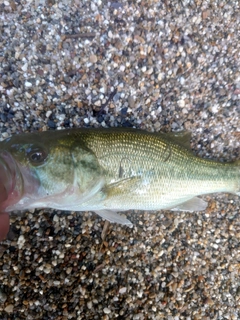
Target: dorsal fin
(182,138)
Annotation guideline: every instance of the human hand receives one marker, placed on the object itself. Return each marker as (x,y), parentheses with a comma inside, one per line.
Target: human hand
(4,225)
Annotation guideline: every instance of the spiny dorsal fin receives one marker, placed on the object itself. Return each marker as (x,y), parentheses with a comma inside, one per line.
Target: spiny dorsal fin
(182,138)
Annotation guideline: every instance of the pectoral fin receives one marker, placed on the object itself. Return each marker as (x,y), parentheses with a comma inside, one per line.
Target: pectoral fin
(194,204)
(112,217)
(124,186)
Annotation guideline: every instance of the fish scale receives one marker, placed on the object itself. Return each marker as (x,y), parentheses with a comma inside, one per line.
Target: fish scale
(178,174)
(109,170)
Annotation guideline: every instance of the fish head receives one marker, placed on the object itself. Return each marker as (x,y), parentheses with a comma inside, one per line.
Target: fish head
(36,170)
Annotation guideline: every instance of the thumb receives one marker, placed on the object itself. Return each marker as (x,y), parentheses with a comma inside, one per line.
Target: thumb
(4,225)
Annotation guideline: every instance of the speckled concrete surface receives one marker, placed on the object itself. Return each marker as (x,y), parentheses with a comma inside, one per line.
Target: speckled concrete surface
(155,65)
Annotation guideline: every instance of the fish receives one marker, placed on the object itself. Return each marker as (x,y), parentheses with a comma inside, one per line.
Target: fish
(109,171)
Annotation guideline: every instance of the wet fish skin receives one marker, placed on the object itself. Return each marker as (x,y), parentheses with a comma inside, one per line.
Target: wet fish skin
(109,170)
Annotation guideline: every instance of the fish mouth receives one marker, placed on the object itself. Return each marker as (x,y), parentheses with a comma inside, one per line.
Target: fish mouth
(11,184)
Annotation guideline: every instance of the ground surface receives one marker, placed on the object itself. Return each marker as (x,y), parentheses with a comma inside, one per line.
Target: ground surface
(155,65)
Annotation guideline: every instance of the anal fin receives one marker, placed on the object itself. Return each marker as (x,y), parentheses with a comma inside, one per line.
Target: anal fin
(194,204)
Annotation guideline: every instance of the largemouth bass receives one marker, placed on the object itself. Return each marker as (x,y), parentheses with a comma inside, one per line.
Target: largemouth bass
(108,171)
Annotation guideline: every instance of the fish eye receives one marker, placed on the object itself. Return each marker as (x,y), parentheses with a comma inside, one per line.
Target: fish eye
(36,156)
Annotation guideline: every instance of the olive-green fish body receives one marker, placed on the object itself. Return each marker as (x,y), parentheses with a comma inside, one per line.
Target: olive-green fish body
(110,170)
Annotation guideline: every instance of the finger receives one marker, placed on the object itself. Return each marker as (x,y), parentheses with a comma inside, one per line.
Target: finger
(4,225)
(3,193)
